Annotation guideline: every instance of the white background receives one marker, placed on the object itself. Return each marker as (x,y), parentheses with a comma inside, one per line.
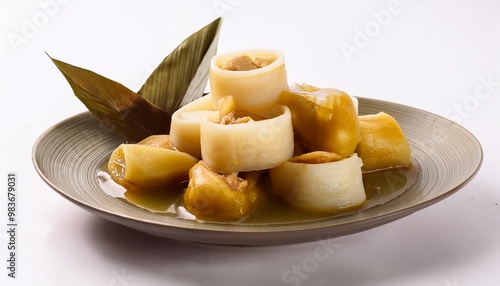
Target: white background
(433,55)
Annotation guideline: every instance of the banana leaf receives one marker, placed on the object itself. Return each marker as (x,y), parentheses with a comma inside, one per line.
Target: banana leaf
(182,76)
(116,106)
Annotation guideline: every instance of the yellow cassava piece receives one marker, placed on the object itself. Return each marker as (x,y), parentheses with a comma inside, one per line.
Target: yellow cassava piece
(383,144)
(324,119)
(147,166)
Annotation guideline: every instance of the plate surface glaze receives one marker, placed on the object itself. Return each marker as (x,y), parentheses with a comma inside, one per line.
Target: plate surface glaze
(68,156)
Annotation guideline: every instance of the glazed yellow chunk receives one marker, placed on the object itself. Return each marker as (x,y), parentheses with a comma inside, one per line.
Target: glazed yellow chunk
(323,119)
(224,197)
(146,166)
(383,144)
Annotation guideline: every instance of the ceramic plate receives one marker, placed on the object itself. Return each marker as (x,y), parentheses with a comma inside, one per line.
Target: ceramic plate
(69,155)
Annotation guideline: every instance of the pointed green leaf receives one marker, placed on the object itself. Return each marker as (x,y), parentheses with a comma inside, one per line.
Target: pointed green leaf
(116,106)
(182,76)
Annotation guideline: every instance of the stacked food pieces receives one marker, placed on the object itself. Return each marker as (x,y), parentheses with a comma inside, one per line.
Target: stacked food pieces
(309,142)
